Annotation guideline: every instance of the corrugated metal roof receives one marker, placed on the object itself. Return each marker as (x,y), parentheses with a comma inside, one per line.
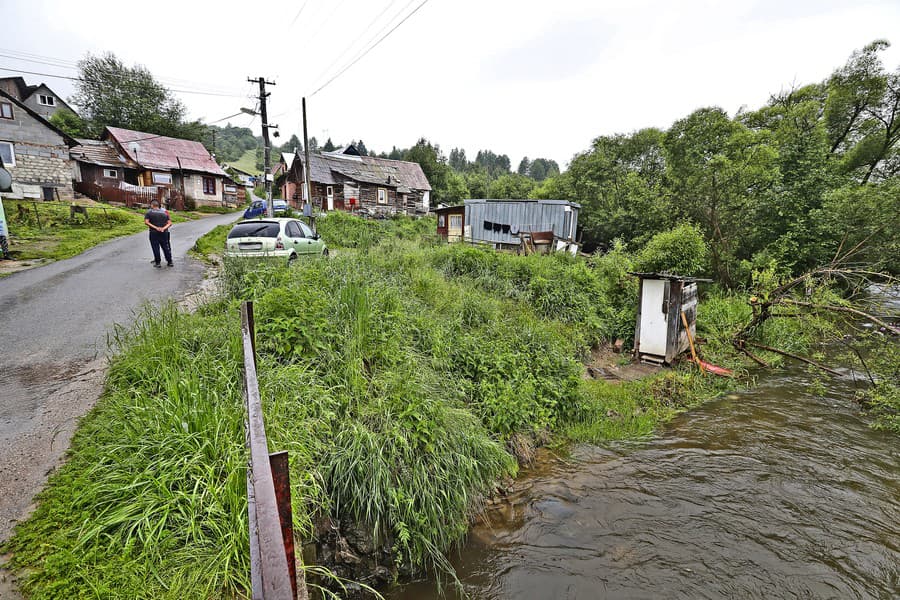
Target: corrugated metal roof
(99,152)
(164,153)
(331,167)
(486,200)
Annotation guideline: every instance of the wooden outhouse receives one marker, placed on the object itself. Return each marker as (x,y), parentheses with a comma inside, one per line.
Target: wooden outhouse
(451,222)
(660,335)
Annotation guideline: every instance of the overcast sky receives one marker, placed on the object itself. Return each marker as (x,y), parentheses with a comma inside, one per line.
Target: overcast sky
(521,77)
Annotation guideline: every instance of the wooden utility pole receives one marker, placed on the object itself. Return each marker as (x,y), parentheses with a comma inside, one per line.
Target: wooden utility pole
(267,149)
(306,162)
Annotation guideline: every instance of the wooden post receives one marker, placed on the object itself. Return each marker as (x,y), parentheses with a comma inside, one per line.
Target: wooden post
(306,156)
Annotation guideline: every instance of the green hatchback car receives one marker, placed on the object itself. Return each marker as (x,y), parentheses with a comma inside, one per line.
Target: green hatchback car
(278,238)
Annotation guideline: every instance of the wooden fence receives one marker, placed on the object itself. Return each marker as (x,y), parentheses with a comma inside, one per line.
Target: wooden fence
(132,195)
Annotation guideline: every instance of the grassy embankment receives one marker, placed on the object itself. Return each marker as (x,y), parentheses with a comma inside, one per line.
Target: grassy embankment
(404,378)
(45,231)
(51,235)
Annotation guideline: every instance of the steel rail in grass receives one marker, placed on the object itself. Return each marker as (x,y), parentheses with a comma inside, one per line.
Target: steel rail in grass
(273,573)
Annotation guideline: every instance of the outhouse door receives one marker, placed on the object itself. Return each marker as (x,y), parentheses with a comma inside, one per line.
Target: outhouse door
(654,327)
(455,228)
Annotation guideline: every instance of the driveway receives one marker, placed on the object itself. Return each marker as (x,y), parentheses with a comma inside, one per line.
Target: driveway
(54,322)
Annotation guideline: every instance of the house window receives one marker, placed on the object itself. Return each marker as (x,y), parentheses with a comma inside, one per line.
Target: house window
(8,154)
(46,100)
(6,111)
(209,185)
(382,196)
(111,173)
(165,178)
(456,222)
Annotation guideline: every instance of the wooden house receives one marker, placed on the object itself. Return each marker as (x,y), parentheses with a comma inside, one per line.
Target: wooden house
(152,166)
(345,180)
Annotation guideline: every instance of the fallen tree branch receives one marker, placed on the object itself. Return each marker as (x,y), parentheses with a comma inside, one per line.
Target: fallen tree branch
(739,344)
(874,319)
(795,357)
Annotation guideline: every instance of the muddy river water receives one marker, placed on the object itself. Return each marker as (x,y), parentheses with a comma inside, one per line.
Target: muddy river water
(777,492)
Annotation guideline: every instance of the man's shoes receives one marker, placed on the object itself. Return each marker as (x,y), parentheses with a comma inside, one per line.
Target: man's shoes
(157,265)
(170,264)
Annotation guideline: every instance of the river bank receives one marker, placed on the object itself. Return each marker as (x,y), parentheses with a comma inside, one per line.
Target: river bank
(781,491)
(407,380)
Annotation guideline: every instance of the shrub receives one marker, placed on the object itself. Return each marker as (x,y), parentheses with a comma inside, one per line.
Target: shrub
(683,251)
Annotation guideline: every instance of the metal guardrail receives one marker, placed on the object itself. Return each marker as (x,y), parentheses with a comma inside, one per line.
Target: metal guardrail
(273,570)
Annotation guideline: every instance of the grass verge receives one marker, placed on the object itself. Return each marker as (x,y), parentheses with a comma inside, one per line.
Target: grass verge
(401,378)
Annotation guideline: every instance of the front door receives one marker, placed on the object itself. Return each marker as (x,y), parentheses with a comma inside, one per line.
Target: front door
(455,228)
(330,196)
(654,318)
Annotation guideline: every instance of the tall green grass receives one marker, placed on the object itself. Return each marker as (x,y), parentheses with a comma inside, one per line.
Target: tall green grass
(397,377)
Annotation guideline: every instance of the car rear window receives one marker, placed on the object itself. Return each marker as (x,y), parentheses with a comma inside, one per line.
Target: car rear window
(256,229)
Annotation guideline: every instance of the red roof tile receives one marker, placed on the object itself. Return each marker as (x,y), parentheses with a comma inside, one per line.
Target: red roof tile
(164,153)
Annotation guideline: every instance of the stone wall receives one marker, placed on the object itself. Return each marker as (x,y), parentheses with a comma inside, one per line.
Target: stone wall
(193,188)
(41,157)
(38,167)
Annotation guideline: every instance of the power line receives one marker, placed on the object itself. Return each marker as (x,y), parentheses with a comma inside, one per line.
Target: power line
(370,48)
(299,12)
(73,65)
(354,44)
(86,81)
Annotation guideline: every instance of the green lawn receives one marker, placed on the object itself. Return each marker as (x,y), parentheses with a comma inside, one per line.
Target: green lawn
(44,230)
(247,162)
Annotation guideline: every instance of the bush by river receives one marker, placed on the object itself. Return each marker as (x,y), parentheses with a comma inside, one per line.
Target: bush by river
(406,379)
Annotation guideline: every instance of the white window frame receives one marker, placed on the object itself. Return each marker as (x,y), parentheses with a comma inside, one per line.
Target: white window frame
(157,177)
(110,173)
(382,196)
(12,154)
(12,112)
(45,100)
(329,191)
(455,223)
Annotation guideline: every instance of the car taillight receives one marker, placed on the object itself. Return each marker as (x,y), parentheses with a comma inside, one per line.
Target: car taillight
(279,245)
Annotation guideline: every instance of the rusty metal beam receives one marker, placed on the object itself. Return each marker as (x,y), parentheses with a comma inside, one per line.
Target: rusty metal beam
(282,477)
(270,574)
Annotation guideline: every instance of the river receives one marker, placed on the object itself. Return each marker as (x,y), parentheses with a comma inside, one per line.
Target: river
(781,491)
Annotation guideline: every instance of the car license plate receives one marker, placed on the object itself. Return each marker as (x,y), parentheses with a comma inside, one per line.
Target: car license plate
(250,245)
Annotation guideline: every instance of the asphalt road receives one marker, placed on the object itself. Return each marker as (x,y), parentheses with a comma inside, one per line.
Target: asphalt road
(54,322)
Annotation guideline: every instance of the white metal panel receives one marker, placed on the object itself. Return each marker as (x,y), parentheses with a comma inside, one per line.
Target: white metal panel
(653,321)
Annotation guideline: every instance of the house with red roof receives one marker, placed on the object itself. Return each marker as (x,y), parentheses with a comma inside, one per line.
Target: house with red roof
(174,169)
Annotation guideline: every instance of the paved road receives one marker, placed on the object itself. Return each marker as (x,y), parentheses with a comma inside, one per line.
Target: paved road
(53,326)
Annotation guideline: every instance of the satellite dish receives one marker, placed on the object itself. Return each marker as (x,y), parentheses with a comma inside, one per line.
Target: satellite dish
(5,180)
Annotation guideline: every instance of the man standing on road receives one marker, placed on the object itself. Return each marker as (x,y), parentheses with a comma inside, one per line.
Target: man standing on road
(159,223)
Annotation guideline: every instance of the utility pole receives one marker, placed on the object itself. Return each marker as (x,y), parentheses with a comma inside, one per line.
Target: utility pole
(267,156)
(306,165)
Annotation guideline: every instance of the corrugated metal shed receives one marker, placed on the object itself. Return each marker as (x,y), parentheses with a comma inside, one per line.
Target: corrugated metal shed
(164,153)
(501,221)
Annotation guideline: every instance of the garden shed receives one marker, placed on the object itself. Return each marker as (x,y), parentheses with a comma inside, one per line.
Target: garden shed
(503,222)
(660,334)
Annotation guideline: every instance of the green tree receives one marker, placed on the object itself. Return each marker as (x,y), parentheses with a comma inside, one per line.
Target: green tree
(112,94)
(477,181)
(458,160)
(524,166)
(69,122)
(620,182)
(433,164)
(329,146)
(722,174)
(456,190)
(362,148)
(542,168)
(293,144)
(681,250)
(511,186)
(313,144)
